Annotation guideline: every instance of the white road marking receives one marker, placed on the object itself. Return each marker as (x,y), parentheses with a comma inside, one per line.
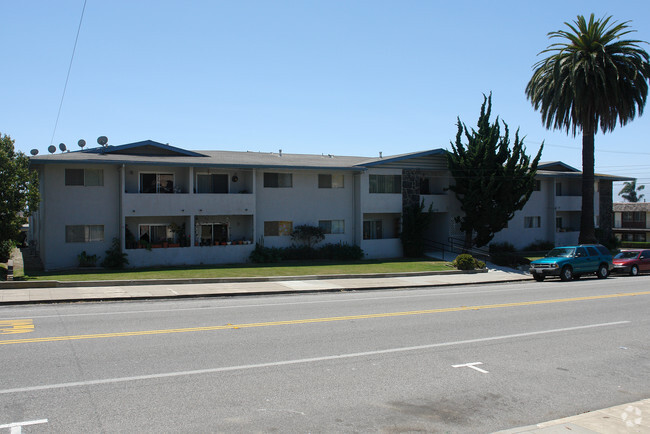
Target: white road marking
(472,366)
(298,361)
(17,427)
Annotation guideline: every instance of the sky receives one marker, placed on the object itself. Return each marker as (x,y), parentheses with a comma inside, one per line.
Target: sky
(351,77)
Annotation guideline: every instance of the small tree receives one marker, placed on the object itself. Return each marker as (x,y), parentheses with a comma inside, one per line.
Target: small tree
(415,222)
(308,235)
(492,181)
(19,196)
(629,192)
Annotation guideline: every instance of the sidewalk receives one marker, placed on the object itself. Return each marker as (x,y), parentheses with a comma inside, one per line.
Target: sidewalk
(626,418)
(18,292)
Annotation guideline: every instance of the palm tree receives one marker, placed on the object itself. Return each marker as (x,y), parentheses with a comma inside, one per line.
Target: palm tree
(591,79)
(629,191)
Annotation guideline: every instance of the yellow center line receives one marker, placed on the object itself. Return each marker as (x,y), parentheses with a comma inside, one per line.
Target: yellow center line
(318,320)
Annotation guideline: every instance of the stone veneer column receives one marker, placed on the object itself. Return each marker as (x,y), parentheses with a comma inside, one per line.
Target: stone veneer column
(410,187)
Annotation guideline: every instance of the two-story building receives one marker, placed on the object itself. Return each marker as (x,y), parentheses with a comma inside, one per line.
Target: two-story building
(632,221)
(171,206)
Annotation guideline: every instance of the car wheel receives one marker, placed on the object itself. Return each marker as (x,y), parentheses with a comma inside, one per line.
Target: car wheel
(634,271)
(538,277)
(566,274)
(603,271)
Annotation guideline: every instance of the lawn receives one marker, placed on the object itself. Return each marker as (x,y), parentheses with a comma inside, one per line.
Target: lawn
(246,270)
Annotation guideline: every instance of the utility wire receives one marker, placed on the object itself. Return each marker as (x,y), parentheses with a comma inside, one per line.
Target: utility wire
(69,69)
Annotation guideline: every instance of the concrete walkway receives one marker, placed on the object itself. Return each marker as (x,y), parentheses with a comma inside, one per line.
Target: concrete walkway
(626,418)
(52,291)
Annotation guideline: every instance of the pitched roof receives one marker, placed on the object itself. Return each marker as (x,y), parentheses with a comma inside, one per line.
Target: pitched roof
(631,206)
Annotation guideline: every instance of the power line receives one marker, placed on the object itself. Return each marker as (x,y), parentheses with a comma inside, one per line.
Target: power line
(65,86)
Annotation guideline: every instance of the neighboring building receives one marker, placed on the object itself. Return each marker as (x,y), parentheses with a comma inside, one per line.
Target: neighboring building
(213,206)
(632,221)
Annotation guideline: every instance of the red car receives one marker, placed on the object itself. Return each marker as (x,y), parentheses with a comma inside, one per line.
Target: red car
(632,262)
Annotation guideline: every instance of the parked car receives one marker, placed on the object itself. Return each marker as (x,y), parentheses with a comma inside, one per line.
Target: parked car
(632,262)
(571,262)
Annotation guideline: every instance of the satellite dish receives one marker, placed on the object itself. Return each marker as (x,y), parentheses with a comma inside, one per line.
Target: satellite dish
(81,143)
(51,149)
(62,147)
(34,152)
(102,140)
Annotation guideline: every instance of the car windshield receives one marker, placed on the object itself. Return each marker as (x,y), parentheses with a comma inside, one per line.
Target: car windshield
(627,255)
(562,252)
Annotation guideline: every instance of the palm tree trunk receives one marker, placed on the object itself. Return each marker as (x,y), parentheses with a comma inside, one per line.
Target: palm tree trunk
(468,241)
(587,230)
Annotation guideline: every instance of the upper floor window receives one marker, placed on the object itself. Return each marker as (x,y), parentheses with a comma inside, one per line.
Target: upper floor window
(156,183)
(84,233)
(633,216)
(331,181)
(558,189)
(84,177)
(332,226)
(538,185)
(211,183)
(385,183)
(278,180)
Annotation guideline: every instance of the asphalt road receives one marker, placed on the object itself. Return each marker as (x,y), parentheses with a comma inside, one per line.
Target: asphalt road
(455,359)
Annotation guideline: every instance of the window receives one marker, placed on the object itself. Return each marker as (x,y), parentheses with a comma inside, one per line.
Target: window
(84,177)
(385,183)
(330,181)
(532,222)
(213,233)
(278,180)
(277,228)
(633,216)
(592,251)
(558,222)
(558,189)
(156,183)
(332,226)
(372,230)
(425,186)
(84,233)
(155,234)
(538,185)
(211,183)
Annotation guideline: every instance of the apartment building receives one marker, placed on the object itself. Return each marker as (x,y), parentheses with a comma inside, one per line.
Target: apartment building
(171,206)
(632,221)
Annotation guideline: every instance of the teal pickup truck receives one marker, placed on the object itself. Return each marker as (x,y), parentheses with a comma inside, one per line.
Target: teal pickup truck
(573,261)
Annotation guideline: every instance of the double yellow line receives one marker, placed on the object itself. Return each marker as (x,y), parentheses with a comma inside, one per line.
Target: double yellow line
(317,320)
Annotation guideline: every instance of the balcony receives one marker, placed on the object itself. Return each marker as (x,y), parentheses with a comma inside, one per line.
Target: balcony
(179,204)
(568,203)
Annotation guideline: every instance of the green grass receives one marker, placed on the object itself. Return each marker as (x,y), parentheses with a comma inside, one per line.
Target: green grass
(246,270)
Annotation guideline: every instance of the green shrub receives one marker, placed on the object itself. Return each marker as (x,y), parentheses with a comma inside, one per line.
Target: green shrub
(308,235)
(340,252)
(333,252)
(86,260)
(264,255)
(539,246)
(466,261)
(5,249)
(501,247)
(115,258)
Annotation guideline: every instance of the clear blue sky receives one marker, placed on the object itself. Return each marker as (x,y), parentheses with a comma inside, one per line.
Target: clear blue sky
(340,77)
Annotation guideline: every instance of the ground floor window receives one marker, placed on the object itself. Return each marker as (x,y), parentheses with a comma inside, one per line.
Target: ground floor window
(332,226)
(532,222)
(372,230)
(84,233)
(213,233)
(155,234)
(278,228)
